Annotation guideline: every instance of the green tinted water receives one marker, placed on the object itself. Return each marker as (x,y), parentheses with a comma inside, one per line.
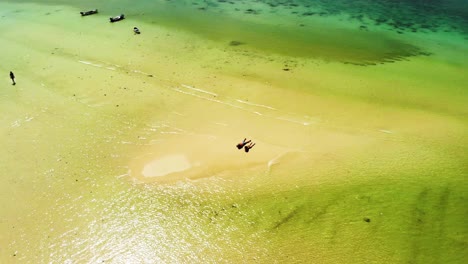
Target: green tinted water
(299,28)
(380,178)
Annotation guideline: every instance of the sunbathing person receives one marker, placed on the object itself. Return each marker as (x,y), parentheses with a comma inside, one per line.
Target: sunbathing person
(249,146)
(244,142)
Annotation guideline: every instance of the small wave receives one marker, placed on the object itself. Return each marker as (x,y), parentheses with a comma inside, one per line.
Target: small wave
(276,159)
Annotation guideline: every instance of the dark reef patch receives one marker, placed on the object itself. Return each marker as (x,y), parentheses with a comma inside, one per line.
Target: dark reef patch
(361,45)
(236,43)
(399,15)
(362,49)
(286,218)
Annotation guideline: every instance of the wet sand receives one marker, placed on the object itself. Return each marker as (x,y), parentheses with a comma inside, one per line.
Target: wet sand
(121,147)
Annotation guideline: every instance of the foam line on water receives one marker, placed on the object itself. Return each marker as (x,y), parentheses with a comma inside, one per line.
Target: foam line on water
(16,123)
(19,122)
(386,131)
(198,90)
(171,132)
(293,121)
(140,72)
(175,128)
(91,63)
(209,99)
(110,66)
(121,176)
(253,104)
(304,123)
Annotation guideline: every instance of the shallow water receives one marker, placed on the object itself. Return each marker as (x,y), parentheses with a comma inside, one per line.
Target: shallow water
(296,28)
(353,164)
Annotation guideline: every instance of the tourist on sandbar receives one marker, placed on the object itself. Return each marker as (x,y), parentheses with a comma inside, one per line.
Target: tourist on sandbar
(249,146)
(244,142)
(136,30)
(12,77)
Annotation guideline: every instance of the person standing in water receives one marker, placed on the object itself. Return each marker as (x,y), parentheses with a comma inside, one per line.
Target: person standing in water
(12,77)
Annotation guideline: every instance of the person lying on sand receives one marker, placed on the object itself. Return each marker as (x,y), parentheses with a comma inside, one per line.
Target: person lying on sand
(249,146)
(244,142)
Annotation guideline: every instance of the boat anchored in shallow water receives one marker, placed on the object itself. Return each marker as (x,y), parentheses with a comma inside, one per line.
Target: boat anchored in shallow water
(90,12)
(117,18)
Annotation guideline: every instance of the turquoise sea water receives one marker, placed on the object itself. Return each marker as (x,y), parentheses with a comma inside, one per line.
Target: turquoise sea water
(295,28)
(402,200)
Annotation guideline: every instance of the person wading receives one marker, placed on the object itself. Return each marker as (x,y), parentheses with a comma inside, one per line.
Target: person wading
(12,77)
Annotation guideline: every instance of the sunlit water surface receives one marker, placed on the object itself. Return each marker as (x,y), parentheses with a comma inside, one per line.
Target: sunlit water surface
(120,148)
